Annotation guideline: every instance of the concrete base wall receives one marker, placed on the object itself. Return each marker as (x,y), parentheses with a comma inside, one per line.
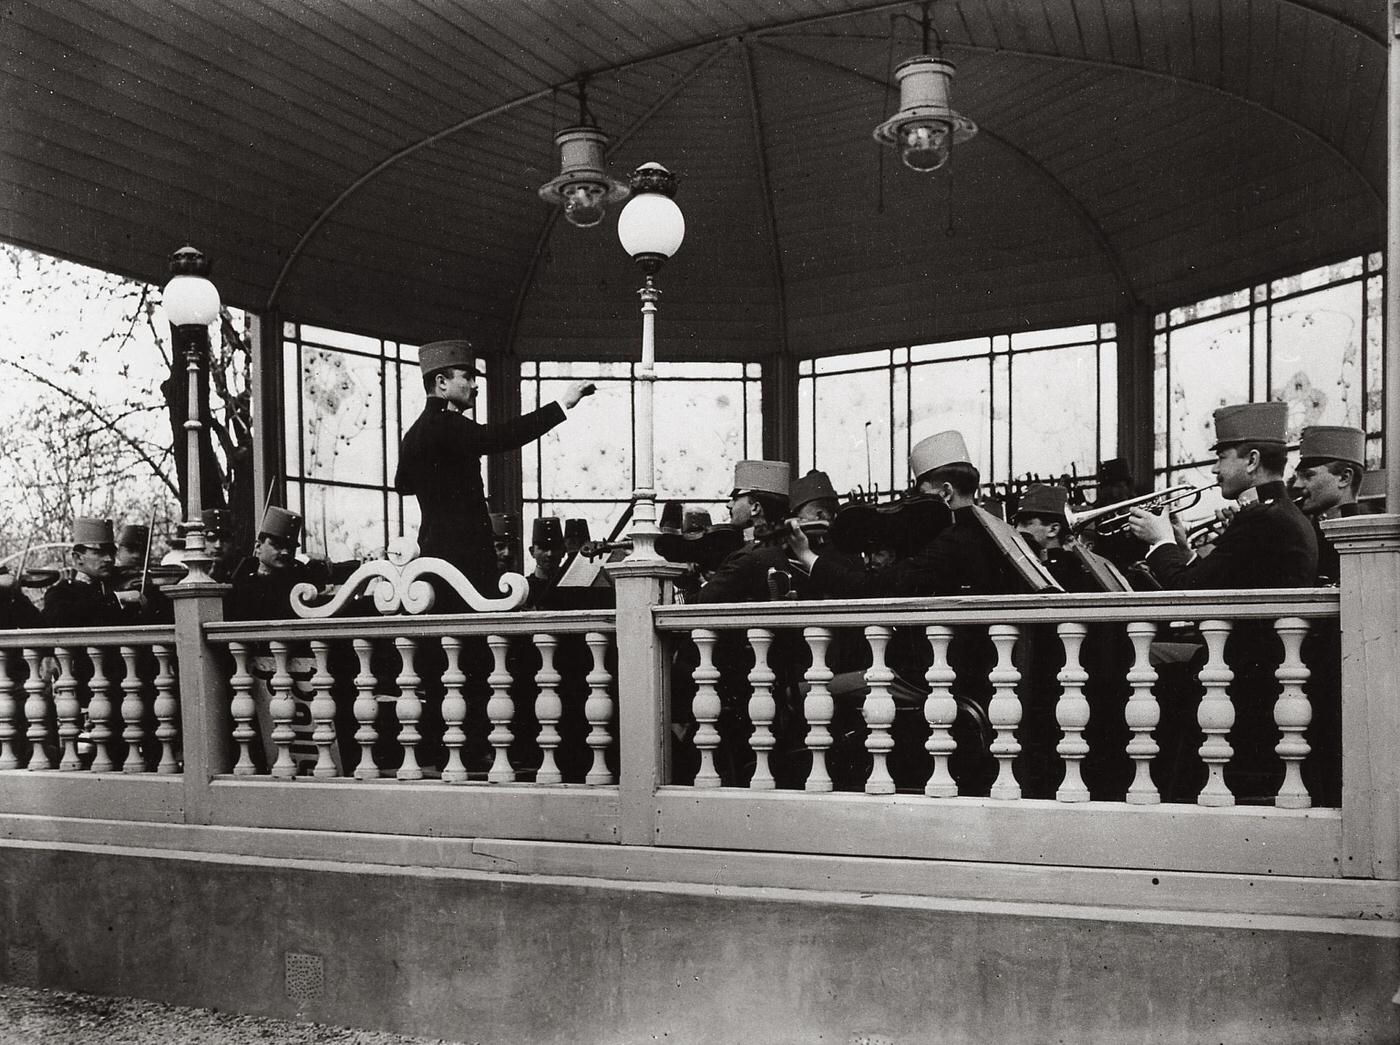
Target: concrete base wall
(507,960)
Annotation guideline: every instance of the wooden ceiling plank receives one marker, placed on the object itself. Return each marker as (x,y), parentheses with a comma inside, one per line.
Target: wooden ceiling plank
(1263,33)
(982,26)
(1234,48)
(1151,34)
(760,152)
(1062,22)
(1205,37)
(1093,26)
(1362,99)
(1122,32)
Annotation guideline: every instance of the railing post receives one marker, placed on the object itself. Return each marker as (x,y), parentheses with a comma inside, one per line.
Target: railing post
(643,693)
(1369,548)
(206,723)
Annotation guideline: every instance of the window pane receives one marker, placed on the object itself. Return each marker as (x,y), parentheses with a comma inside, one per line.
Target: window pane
(291,417)
(1209,307)
(1375,352)
(1058,336)
(1160,403)
(1209,368)
(1108,401)
(699,437)
(342,424)
(953,395)
(343,523)
(1201,478)
(1053,409)
(1316,357)
(852,443)
(699,370)
(973,346)
(340,339)
(588,461)
(805,407)
(854,361)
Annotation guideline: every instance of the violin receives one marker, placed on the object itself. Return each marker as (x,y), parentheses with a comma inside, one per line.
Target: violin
(32,578)
(707,549)
(905,523)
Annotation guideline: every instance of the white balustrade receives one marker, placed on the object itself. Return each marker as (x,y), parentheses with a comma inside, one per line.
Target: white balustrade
(818,708)
(1216,714)
(454,710)
(879,712)
(409,709)
(99,713)
(705,707)
(9,756)
(133,711)
(598,709)
(1292,713)
(1004,711)
(323,711)
(500,709)
(243,709)
(68,710)
(1072,714)
(165,707)
(366,710)
(35,710)
(548,710)
(282,708)
(940,711)
(762,709)
(1142,715)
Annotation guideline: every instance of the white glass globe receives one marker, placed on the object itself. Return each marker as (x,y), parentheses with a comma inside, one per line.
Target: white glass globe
(190,301)
(651,224)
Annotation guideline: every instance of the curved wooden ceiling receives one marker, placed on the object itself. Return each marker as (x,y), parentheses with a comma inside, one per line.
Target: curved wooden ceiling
(373,166)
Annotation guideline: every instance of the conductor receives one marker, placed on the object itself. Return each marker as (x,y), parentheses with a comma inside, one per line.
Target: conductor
(440,459)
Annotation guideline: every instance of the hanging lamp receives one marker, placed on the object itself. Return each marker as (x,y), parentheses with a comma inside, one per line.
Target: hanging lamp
(583,186)
(926,127)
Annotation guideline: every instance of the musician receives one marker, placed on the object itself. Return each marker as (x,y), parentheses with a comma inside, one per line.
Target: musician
(1040,518)
(89,599)
(132,541)
(1268,543)
(1327,483)
(219,543)
(959,559)
(263,582)
(1119,546)
(547,553)
(16,611)
(440,458)
(758,504)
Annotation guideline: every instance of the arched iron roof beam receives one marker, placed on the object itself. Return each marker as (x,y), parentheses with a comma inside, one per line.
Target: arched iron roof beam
(769,215)
(1077,207)
(758,32)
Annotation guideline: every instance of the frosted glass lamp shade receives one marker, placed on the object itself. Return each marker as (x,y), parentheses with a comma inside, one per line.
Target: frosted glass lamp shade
(651,225)
(190,301)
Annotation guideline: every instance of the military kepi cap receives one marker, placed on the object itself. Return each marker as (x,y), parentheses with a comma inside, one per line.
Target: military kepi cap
(438,354)
(937,450)
(773,477)
(814,486)
(278,522)
(1115,470)
(1043,500)
(547,532)
(504,526)
(133,535)
(1333,443)
(1251,423)
(217,520)
(93,533)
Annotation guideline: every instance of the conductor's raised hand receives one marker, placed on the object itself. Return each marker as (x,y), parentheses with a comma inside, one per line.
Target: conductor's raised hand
(576,392)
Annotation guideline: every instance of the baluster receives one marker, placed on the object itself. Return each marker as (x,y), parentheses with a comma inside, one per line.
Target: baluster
(454,710)
(243,709)
(818,708)
(166,707)
(940,710)
(500,709)
(9,757)
(548,710)
(1142,714)
(762,709)
(1292,713)
(68,710)
(878,710)
(409,708)
(705,707)
(322,710)
(36,710)
(1072,713)
(1004,711)
(99,713)
(133,707)
(283,709)
(598,709)
(366,712)
(1216,715)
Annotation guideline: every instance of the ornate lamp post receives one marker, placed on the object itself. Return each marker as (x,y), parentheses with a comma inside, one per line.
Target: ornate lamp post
(191,304)
(651,228)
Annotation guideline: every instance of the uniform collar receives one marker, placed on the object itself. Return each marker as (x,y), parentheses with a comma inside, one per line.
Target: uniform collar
(1269,492)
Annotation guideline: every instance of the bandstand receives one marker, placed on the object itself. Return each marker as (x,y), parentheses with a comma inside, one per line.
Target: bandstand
(1153,184)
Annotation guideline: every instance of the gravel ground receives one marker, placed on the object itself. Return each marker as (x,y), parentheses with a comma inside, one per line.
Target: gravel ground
(34,1017)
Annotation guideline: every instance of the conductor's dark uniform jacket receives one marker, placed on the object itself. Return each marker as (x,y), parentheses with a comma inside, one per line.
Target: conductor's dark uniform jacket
(440,464)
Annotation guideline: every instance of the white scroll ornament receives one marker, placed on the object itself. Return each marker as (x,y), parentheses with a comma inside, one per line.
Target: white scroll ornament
(400,583)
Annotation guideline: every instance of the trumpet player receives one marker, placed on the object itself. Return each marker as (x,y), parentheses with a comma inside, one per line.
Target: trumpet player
(1326,484)
(1268,543)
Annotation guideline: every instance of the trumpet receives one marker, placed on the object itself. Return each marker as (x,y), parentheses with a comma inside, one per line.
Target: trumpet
(1205,530)
(1111,518)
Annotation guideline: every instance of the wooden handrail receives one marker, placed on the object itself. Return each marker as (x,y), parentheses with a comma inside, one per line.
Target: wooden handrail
(140,635)
(570,622)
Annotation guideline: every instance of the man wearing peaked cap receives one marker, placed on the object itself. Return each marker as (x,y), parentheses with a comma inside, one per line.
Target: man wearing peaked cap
(505,541)
(440,459)
(813,497)
(758,504)
(219,543)
(959,559)
(1327,483)
(88,599)
(547,553)
(1268,543)
(263,582)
